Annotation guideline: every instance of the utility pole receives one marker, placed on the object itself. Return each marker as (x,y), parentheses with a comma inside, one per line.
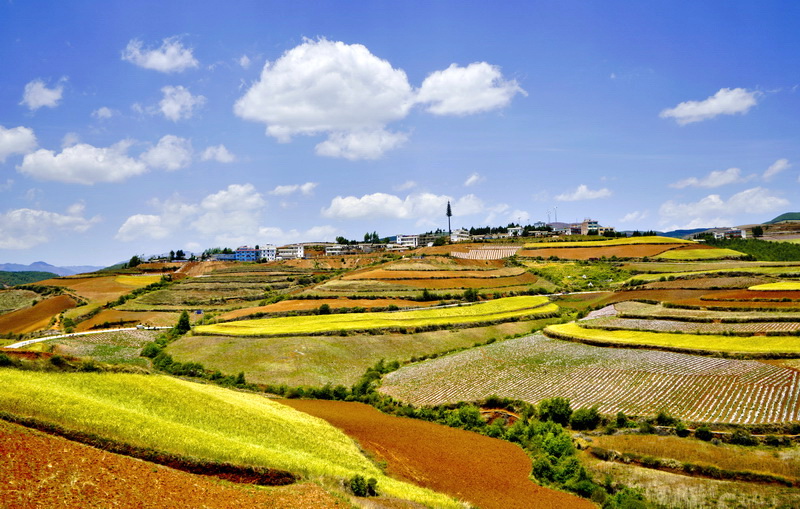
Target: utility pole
(449,215)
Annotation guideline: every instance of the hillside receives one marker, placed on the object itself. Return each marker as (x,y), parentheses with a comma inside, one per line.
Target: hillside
(788,216)
(9,278)
(46,267)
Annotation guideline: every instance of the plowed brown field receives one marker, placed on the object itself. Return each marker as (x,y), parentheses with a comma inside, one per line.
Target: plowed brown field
(101,289)
(487,472)
(129,318)
(44,471)
(584,253)
(458,282)
(35,318)
(758,295)
(435,274)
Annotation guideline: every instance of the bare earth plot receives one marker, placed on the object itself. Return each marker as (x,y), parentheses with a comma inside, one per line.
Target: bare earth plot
(637,382)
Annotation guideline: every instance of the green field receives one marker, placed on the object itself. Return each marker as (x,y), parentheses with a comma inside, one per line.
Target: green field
(198,421)
(610,242)
(770,271)
(491,311)
(699,254)
(318,360)
(763,345)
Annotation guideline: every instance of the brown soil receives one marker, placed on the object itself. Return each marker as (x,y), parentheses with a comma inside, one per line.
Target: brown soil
(744,294)
(487,472)
(35,318)
(128,319)
(43,471)
(459,283)
(585,253)
(102,289)
(285,306)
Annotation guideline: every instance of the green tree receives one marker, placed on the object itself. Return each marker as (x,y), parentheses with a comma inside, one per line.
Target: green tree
(555,409)
(758,231)
(134,261)
(183,326)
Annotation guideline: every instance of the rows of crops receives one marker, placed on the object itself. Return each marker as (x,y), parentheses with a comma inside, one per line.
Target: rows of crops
(492,311)
(487,253)
(622,241)
(637,382)
(644,324)
(699,254)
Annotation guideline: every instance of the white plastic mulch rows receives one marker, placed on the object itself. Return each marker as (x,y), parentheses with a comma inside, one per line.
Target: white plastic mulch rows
(636,382)
(487,253)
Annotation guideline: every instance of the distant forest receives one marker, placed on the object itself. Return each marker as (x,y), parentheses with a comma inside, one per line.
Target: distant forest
(24,277)
(761,250)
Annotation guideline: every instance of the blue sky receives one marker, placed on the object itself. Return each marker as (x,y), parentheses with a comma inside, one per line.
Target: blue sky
(140,127)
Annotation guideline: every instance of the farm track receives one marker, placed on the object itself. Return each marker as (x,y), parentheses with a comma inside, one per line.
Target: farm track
(637,382)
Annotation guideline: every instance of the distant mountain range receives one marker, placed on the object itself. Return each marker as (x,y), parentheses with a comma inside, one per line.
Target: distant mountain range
(46,267)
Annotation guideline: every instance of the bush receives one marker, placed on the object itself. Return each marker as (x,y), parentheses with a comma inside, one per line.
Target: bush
(362,487)
(743,437)
(703,433)
(585,418)
(664,419)
(5,360)
(150,350)
(324,309)
(556,410)
(680,430)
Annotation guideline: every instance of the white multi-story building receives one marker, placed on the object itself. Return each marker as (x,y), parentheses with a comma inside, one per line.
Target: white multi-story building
(409,241)
(290,252)
(460,235)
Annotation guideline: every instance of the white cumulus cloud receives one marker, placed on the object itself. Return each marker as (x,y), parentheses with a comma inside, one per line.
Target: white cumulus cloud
(713,210)
(37,95)
(636,215)
(17,140)
(306,189)
(727,101)
(218,153)
(361,144)
(26,228)
(170,153)
(420,205)
(83,164)
(103,113)
(333,88)
(171,56)
(458,90)
(584,193)
(178,103)
(775,168)
(714,179)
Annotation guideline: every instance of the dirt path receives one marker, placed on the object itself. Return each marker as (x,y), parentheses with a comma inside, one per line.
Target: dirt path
(484,471)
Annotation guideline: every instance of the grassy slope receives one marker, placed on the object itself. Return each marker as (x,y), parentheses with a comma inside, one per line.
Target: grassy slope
(200,421)
(500,309)
(317,360)
(704,342)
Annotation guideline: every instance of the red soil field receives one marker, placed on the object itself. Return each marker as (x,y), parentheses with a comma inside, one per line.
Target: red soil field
(584,253)
(35,318)
(103,289)
(384,274)
(487,472)
(40,470)
(307,305)
(661,295)
(745,294)
(130,318)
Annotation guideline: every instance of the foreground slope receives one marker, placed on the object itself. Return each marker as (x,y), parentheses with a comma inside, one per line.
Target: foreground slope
(198,421)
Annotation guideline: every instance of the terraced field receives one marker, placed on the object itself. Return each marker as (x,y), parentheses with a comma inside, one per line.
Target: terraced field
(699,254)
(35,318)
(498,310)
(754,346)
(650,325)
(637,382)
(198,421)
(644,310)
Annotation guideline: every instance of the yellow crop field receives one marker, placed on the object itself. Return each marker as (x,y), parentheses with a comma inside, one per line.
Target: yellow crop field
(490,311)
(195,420)
(611,242)
(137,281)
(699,254)
(699,342)
(780,285)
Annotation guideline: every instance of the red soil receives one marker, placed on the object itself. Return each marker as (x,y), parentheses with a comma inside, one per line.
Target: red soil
(101,289)
(458,283)
(129,319)
(487,472)
(35,318)
(585,253)
(40,470)
(744,294)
